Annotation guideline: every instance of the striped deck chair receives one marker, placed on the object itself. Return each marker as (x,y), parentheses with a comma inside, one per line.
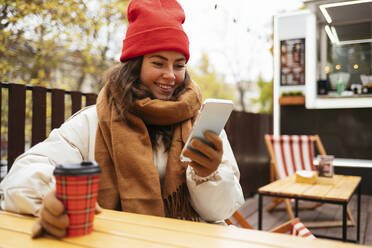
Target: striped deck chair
(293,227)
(293,152)
(288,154)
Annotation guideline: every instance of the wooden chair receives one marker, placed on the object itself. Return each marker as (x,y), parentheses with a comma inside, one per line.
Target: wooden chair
(240,219)
(289,153)
(293,227)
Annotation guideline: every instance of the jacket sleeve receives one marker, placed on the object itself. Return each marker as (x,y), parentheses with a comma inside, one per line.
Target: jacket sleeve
(31,176)
(219,195)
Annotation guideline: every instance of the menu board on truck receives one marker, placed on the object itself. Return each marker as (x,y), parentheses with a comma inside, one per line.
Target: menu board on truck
(292,62)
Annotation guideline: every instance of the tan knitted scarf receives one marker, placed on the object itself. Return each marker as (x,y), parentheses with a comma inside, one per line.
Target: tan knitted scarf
(130,179)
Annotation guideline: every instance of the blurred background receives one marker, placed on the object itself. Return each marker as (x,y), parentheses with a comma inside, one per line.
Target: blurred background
(290,66)
(69,44)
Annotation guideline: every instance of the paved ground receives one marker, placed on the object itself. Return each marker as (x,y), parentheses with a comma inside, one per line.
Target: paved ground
(325,212)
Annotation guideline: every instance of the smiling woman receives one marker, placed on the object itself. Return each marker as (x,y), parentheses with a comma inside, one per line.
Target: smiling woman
(136,132)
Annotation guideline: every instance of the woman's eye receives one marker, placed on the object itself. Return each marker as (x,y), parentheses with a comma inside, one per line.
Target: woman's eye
(180,66)
(157,63)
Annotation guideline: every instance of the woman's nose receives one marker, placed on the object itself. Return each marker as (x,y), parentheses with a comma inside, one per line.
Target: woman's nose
(169,74)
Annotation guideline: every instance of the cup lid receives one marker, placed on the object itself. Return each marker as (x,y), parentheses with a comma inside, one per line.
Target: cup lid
(78,169)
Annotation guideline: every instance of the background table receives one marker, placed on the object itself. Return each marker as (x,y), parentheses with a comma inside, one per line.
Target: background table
(337,190)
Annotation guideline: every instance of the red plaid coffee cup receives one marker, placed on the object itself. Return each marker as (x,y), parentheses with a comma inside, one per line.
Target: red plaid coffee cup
(77,187)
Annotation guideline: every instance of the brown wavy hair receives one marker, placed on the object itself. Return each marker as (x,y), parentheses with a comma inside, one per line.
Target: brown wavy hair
(124,80)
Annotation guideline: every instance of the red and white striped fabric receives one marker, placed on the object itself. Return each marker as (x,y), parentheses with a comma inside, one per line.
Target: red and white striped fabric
(298,229)
(292,153)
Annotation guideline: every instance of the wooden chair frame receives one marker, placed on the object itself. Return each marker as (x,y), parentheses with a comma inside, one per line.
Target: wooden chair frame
(283,228)
(240,219)
(274,175)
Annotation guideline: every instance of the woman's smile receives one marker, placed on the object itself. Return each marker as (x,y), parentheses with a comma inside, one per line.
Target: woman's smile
(165,88)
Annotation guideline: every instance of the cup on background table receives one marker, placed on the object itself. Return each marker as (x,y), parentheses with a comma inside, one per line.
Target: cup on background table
(325,165)
(77,187)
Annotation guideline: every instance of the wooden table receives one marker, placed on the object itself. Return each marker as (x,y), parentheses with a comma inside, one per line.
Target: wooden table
(120,229)
(336,190)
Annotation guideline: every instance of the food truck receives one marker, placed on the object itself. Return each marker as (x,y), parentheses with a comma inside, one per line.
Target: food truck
(323,79)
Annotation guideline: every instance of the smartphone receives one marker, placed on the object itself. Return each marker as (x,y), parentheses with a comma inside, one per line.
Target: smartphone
(212,116)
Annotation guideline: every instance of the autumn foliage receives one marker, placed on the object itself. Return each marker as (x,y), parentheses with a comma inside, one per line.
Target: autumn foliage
(65,44)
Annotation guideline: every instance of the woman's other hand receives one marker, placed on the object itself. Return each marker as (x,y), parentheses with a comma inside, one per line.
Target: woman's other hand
(53,218)
(54,221)
(206,163)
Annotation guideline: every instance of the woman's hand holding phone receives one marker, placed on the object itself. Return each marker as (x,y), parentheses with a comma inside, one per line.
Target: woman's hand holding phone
(207,160)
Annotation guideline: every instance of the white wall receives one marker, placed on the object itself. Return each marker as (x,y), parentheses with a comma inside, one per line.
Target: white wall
(295,25)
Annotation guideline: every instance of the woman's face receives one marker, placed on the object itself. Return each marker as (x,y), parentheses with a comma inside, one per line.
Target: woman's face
(162,72)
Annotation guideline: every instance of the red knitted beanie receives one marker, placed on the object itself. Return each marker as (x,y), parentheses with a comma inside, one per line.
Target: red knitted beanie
(154,25)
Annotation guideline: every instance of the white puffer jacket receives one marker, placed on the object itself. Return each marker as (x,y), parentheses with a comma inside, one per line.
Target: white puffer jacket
(31,176)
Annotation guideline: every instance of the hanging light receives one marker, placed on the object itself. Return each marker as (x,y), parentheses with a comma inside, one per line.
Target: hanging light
(330,34)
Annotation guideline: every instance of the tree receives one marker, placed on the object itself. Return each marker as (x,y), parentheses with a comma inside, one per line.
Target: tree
(108,31)
(211,83)
(57,43)
(265,99)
